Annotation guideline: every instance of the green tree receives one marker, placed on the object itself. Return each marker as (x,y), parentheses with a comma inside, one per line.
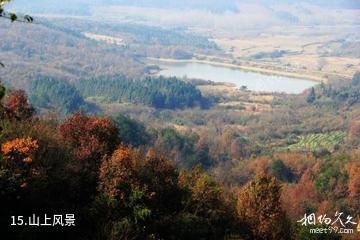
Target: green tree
(158,92)
(2,91)
(281,171)
(202,156)
(130,131)
(208,213)
(356,79)
(51,93)
(312,96)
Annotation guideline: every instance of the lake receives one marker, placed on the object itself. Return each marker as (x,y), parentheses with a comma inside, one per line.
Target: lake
(252,80)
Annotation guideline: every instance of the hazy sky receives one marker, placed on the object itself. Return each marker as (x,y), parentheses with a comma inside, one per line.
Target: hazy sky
(215,14)
(211,5)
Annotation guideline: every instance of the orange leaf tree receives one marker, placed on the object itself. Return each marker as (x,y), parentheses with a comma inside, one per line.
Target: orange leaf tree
(141,191)
(17,105)
(18,156)
(260,207)
(20,150)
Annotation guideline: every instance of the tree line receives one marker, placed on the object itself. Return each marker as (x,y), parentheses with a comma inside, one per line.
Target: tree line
(157,92)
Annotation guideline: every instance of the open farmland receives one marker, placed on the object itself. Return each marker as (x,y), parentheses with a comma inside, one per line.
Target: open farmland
(316,142)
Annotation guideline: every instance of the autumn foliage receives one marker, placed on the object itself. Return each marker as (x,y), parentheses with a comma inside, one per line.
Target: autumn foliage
(18,164)
(17,105)
(91,137)
(145,187)
(20,150)
(353,169)
(259,205)
(117,174)
(354,132)
(120,192)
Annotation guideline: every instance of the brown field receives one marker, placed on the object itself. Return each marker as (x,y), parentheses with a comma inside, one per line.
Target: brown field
(262,98)
(227,91)
(306,52)
(104,38)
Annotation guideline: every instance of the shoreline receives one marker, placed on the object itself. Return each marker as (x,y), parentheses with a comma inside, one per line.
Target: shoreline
(245,68)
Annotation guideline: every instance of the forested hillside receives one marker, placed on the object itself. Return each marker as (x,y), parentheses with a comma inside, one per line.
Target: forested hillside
(142,40)
(61,49)
(56,94)
(87,132)
(156,92)
(35,49)
(119,191)
(59,95)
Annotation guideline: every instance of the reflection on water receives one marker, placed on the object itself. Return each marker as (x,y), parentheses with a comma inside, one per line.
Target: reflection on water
(253,81)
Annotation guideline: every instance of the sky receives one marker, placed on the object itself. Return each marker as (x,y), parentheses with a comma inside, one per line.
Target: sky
(215,14)
(82,6)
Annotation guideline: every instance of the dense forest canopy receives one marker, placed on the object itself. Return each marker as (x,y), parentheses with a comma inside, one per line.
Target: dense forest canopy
(54,94)
(156,92)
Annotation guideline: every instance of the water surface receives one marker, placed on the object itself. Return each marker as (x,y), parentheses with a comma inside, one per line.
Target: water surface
(252,80)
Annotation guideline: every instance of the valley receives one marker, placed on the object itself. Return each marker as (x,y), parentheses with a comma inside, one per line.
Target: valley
(180,119)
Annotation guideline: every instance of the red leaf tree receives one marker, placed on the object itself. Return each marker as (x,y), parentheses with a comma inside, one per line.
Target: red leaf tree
(17,105)
(90,137)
